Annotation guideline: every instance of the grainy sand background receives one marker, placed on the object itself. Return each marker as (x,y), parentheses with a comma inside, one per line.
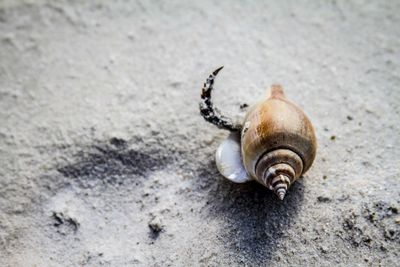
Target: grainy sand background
(106,161)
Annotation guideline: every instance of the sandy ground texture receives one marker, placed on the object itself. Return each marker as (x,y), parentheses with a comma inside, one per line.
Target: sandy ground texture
(105,160)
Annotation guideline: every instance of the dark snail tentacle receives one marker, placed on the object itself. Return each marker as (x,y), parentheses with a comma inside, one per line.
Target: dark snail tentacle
(209,112)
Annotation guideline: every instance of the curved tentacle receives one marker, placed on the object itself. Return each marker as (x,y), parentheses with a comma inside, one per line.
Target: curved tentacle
(209,112)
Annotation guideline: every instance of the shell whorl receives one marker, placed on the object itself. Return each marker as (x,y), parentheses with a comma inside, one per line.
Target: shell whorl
(278,169)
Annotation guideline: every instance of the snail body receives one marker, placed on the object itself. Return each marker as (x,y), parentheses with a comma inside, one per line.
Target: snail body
(274,145)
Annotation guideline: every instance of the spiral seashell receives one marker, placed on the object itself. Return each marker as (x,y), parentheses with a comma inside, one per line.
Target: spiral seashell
(275,144)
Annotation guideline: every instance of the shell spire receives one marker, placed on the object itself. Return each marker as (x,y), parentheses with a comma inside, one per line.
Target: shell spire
(280,184)
(281,193)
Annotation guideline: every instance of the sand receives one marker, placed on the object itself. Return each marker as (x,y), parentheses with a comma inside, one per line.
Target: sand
(105,160)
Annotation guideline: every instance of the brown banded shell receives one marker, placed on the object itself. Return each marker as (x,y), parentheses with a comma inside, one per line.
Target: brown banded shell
(278,142)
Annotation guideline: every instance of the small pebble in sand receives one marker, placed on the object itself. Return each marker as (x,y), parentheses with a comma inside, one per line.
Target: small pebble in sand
(323,249)
(156,226)
(118,142)
(244,106)
(323,199)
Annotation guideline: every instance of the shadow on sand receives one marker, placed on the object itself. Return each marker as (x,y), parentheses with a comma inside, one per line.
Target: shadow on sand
(255,219)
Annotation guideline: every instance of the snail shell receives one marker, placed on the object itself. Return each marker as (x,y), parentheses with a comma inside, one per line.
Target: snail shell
(276,145)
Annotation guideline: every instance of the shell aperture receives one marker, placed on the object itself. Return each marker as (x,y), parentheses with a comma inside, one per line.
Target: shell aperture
(229,160)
